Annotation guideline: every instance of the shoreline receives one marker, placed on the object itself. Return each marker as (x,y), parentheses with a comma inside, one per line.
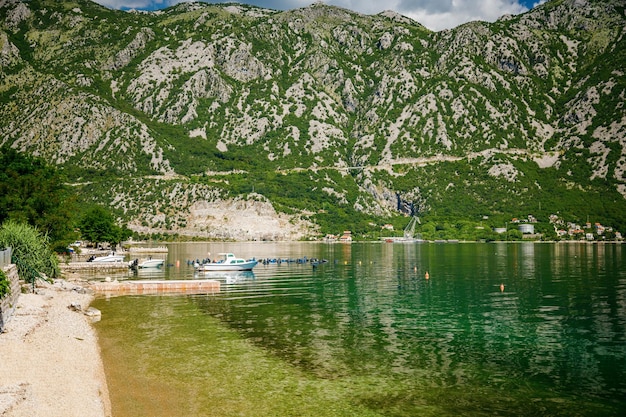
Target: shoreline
(51,361)
(50,353)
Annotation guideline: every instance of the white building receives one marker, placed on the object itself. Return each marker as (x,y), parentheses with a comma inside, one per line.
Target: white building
(527,228)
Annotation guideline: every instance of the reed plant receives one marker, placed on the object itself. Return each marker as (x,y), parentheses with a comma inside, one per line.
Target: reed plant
(31,251)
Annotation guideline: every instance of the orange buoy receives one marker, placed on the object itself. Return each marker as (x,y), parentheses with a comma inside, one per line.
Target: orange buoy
(426,275)
(501,287)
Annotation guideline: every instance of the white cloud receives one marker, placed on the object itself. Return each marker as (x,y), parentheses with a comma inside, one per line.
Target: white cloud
(453,13)
(439,14)
(434,14)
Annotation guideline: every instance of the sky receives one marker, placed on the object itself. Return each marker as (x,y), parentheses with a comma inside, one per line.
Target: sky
(434,14)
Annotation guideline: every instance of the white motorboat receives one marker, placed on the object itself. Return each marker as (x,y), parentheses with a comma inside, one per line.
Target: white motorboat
(150,263)
(229,262)
(112,257)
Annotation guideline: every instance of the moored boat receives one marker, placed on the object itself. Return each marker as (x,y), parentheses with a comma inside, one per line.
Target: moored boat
(229,262)
(112,257)
(151,263)
(146,263)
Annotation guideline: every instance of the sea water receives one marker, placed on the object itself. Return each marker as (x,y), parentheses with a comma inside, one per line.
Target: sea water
(380,329)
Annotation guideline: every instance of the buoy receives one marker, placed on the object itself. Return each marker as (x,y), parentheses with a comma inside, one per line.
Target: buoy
(177,263)
(501,287)
(426,275)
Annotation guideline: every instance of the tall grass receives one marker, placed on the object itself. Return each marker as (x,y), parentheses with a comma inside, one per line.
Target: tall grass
(31,251)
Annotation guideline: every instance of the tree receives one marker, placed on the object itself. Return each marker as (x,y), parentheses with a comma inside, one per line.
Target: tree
(98,225)
(34,192)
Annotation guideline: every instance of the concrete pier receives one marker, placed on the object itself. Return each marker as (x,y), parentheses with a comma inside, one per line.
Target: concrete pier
(93,266)
(146,287)
(140,249)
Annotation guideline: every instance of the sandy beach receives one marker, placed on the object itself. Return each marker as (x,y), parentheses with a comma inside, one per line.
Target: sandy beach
(50,359)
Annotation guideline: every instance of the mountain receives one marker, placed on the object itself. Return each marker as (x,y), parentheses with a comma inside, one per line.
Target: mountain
(236,122)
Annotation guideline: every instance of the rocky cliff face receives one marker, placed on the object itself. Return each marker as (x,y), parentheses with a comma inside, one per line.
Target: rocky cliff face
(208,90)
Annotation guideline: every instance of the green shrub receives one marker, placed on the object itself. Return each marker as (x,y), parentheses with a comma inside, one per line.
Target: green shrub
(5,285)
(31,251)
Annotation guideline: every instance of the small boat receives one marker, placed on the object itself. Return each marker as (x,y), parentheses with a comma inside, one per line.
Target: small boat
(112,257)
(229,262)
(146,263)
(151,263)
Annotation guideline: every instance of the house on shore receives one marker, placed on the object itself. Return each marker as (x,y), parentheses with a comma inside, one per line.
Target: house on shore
(346,237)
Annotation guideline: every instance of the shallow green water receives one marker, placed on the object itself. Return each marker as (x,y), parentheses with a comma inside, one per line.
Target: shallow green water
(367,335)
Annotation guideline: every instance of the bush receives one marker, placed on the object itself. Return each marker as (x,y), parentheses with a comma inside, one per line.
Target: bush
(5,285)
(31,251)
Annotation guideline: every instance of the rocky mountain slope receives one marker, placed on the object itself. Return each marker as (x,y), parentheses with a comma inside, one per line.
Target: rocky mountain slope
(319,116)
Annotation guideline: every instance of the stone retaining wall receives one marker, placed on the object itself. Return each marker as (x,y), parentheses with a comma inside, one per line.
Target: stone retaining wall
(8,302)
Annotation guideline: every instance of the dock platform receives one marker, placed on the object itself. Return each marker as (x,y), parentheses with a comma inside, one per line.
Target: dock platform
(142,249)
(147,287)
(93,266)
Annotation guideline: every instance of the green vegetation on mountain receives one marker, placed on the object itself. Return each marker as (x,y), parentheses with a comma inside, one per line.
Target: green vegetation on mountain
(316,120)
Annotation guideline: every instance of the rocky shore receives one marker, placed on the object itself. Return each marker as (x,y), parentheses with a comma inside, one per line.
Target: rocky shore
(50,358)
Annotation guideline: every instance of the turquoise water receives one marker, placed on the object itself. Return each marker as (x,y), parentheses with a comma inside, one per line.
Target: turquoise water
(496,329)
